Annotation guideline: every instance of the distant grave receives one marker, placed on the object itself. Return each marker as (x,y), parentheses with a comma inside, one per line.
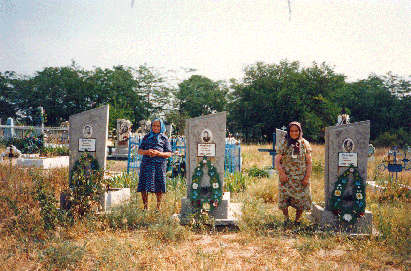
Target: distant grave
(123,137)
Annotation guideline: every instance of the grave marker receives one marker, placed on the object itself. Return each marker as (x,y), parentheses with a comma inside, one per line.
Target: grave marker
(88,132)
(123,135)
(278,138)
(205,154)
(346,155)
(9,132)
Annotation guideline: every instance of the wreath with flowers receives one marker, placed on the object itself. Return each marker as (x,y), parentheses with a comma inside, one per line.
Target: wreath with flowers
(348,214)
(206,198)
(86,165)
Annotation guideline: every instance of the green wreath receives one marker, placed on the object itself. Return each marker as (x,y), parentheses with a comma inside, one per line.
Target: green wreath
(86,164)
(200,196)
(347,214)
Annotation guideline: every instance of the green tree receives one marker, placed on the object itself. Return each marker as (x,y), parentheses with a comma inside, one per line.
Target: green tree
(374,99)
(7,94)
(60,91)
(154,91)
(272,95)
(116,87)
(200,95)
(370,99)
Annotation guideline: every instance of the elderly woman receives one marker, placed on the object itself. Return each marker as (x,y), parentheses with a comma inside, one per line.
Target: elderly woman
(155,148)
(293,163)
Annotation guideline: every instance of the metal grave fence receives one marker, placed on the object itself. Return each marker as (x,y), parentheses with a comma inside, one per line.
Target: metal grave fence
(232,161)
(53,136)
(176,164)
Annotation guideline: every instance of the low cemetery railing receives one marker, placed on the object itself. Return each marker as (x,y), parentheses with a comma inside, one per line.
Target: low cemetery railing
(176,164)
(53,136)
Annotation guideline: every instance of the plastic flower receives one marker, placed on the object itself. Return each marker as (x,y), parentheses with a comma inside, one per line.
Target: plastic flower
(215,185)
(195,186)
(206,206)
(337,193)
(359,196)
(347,217)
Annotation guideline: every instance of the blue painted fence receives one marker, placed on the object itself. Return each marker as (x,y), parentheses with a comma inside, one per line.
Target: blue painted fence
(176,164)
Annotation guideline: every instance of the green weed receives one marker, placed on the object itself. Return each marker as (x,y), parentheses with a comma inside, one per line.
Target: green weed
(255,171)
(62,256)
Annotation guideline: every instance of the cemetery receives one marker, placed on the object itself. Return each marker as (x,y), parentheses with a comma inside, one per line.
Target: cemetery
(219,190)
(206,135)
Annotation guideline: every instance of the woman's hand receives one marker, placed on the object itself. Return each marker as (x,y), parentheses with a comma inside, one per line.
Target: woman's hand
(283,177)
(279,168)
(153,153)
(306,180)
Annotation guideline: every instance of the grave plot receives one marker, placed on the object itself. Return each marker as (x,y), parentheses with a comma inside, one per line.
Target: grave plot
(346,161)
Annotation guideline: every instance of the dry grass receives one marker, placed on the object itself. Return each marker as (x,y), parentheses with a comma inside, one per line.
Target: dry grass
(130,239)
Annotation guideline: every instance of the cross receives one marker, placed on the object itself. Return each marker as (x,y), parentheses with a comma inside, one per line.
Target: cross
(271,151)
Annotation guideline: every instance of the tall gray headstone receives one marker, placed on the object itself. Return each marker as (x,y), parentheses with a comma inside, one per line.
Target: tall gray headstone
(205,135)
(89,131)
(344,145)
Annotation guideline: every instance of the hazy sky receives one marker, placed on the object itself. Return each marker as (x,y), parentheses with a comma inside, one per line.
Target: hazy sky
(217,37)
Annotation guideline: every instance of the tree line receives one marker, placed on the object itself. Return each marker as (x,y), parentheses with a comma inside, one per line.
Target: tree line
(269,96)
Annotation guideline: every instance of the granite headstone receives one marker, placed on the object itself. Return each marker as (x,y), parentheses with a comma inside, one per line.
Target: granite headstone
(344,145)
(205,135)
(89,132)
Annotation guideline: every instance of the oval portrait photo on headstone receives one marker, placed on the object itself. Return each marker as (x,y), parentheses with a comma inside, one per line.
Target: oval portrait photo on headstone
(348,145)
(206,136)
(87,131)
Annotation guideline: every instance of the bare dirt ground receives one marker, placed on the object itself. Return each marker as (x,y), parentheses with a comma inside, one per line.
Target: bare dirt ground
(117,165)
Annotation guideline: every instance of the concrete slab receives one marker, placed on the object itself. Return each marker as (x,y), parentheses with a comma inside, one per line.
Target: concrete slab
(329,222)
(44,162)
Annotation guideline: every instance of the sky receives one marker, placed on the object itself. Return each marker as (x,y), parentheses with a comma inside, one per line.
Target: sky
(219,38)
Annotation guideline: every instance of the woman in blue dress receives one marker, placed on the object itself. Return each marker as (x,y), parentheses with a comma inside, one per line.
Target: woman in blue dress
(155,148)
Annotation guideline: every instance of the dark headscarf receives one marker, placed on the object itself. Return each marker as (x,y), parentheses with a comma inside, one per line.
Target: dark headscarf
(162,128)
(295,143)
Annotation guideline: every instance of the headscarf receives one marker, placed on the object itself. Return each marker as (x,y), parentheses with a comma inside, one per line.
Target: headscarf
(162,128)
(295,143)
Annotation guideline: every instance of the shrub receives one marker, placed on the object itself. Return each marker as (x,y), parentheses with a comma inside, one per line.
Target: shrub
(30,144)
(398,137)
(236,182)
(86,185)
(318,166)
(254,171)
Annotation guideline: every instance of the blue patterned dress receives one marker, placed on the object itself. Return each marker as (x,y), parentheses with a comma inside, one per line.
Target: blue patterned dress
(153,169)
